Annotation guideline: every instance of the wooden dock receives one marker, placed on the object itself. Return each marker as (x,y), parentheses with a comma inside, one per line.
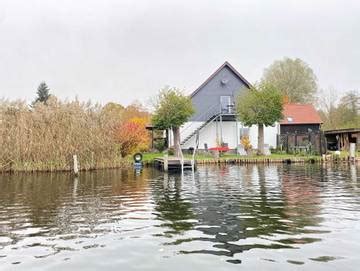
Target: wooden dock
(172,163)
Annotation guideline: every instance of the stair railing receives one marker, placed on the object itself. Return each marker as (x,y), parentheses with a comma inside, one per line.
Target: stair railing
(194,152)
(181,158)
(200,127)
(205,115)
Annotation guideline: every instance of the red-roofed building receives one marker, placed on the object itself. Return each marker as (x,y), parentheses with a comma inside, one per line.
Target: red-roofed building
(300,118)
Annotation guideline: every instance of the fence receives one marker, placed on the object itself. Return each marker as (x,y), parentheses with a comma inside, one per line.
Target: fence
(311,143)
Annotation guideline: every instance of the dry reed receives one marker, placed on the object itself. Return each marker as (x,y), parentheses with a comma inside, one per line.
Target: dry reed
(44,137)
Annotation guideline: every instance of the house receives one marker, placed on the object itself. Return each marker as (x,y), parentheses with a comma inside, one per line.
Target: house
(299,130)
(214,121)
(299,118)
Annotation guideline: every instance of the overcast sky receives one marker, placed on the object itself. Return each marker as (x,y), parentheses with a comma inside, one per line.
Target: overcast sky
(114,50)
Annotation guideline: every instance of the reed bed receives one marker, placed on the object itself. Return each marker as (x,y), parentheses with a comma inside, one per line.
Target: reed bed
(45,137)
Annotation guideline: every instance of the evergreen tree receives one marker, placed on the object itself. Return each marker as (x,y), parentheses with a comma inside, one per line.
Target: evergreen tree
(42,93)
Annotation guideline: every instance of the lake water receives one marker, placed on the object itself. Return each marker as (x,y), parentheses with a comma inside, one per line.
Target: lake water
(281,217)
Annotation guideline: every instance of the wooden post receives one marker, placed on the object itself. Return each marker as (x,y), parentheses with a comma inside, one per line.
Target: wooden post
(92,161)
(11,167)
(287,143)
(352,151)
(76,167)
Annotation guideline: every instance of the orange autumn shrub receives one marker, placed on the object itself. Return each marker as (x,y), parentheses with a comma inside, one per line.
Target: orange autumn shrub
(132,136)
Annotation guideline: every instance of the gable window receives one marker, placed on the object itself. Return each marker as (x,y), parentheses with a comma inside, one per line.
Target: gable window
(225,104)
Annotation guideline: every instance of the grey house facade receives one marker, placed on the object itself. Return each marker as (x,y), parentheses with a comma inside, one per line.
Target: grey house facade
(218,93)
(214,121)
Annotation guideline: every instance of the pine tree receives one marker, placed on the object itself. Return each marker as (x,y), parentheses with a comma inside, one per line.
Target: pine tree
(42,93)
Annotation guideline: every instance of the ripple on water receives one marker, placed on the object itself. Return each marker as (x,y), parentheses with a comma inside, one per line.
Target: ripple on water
(270,214)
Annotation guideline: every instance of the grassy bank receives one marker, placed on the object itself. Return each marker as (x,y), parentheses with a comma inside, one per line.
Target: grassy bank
(148,158)
(273,158)
(54,166)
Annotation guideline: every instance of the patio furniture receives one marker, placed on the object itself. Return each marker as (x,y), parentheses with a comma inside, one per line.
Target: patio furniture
(218,151)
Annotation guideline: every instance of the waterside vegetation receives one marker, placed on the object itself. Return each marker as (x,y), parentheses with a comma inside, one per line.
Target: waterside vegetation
(46,135)
(227,158)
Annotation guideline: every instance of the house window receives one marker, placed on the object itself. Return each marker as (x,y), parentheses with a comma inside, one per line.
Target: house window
(225,104)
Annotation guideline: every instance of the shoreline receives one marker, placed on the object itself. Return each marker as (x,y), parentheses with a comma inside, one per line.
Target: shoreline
(26,168)
(254,160)
(126,163)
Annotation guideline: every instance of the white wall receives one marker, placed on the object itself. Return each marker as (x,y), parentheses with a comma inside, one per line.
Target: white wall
(208,134)
(189,127)
(270,134)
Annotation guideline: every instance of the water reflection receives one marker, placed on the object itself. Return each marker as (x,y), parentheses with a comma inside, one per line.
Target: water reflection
(57,213)
(221,211)
(256,203)
(171,208)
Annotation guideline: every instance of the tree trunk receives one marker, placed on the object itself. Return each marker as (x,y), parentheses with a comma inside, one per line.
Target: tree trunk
(176,133)
(261,139)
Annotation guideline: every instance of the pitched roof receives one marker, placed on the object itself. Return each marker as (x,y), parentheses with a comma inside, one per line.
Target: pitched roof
(226,64)
(300,114)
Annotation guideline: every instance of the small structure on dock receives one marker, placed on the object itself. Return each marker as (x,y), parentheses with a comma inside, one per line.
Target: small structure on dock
(173,163)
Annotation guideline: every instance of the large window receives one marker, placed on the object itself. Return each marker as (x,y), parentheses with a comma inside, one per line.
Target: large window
(225,104)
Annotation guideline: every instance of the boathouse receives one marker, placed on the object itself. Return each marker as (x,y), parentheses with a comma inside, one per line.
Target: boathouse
(299,118)
(299,130)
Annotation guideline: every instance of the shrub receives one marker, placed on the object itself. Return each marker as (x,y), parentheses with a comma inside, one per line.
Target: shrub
(131,137)
(159,145)
(245,141)
(171,151)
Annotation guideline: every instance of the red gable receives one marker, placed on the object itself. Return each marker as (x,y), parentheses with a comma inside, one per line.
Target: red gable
(300,114)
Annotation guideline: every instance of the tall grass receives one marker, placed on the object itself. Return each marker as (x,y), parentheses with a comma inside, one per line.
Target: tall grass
(44,137)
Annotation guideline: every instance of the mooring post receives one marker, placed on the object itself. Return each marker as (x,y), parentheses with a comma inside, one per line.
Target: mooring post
(352,151)
(166,163)
(92,161)
(76,167)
